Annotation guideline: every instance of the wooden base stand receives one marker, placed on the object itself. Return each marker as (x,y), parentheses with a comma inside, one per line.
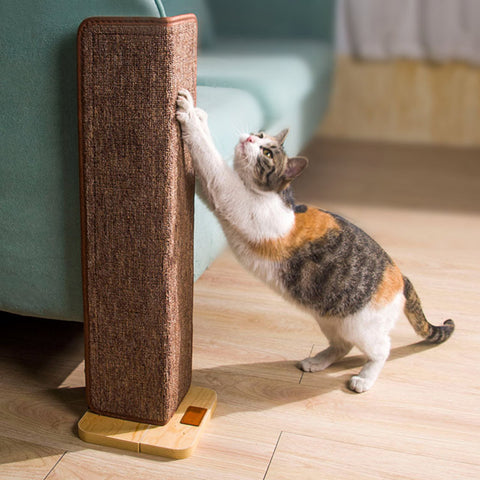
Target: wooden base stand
(177,439)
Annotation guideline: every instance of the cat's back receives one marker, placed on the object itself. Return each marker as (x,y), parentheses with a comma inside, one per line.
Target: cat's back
(327,263)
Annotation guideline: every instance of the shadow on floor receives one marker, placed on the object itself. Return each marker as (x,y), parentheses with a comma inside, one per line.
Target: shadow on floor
(46,351)
(262,386)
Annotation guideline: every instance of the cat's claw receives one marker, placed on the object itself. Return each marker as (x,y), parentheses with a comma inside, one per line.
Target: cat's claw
(185,106)
(185,95)
(188,115)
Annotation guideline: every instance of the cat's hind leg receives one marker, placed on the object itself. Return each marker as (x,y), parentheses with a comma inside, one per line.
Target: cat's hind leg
(369,331)
(376,358)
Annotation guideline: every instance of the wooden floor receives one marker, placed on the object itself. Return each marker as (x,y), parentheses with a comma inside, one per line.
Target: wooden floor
(420,421)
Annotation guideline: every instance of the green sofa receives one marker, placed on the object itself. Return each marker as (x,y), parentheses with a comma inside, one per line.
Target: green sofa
(262,65)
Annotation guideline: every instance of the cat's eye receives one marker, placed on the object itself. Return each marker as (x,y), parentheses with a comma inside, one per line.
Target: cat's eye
(268,153)
(260,135)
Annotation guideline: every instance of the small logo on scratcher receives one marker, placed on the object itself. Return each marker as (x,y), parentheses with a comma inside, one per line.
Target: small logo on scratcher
(193,416)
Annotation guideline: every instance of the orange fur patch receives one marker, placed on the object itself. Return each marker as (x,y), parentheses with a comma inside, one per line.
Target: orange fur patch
(390,286)
(309,226)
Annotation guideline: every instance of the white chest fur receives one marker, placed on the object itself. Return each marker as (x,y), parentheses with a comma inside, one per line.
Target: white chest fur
(258,217)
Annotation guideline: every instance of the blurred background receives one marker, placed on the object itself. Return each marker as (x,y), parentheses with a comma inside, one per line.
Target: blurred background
(407,71)
(403,125)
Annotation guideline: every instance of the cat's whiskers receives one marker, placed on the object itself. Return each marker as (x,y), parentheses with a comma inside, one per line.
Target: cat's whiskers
(239,132)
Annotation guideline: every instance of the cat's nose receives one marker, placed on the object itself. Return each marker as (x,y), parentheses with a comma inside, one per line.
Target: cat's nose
(250,139)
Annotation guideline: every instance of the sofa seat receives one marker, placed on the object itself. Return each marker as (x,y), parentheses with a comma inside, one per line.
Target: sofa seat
(279,73)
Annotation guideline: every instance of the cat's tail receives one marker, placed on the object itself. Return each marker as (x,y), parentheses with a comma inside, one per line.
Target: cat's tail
(414,312)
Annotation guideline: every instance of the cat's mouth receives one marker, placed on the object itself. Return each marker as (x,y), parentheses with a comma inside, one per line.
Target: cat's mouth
(246,152)
(243,146)
(240,149)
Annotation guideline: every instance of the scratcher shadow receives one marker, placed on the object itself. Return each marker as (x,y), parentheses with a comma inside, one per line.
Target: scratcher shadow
(73,398)
(44,358)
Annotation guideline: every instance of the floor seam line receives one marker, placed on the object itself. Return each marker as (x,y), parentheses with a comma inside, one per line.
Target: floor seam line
(273,454)
(303,372)
(55,466)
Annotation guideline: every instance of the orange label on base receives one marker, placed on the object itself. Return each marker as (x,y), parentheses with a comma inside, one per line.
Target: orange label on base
(193,416)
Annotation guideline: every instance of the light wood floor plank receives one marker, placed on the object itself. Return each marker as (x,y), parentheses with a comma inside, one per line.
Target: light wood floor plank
(21,460)
(308,458)
(218,457)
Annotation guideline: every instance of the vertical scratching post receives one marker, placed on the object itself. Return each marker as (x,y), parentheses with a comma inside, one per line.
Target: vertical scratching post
(137,187)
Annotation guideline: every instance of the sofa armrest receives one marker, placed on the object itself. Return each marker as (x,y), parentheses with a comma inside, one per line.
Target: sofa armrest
(274,18)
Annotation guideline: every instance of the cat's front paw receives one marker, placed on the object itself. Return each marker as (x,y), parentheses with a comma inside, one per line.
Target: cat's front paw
(311,364)
(185,106)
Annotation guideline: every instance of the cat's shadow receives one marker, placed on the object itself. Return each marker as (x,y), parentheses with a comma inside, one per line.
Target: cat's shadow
(265,385)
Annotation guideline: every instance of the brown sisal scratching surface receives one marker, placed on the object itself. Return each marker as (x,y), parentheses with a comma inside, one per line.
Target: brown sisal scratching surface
(137,188)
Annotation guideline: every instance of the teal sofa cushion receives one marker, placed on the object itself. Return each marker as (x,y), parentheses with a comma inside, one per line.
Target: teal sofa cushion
(280,74)
(230,112)
(260,19)
(40,268)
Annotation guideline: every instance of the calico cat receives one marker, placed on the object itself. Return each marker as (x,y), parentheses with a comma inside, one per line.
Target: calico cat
(312,257)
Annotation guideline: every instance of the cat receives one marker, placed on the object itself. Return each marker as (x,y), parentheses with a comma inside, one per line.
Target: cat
(314,258)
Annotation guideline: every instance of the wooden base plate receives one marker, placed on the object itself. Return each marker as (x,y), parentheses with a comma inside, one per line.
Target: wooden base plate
(177,439)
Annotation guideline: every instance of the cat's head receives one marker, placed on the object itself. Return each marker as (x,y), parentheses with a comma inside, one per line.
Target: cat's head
(261,162)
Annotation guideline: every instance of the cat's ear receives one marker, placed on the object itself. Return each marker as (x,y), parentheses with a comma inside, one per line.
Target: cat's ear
(280,137)
(295,166)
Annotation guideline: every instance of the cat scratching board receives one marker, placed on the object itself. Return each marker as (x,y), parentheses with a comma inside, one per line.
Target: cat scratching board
(137,191)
